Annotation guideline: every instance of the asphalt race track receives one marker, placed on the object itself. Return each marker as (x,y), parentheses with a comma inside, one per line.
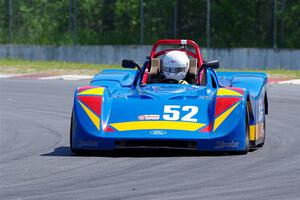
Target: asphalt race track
(36,162)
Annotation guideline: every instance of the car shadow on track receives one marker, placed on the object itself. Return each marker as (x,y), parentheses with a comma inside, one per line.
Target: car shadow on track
(162,152)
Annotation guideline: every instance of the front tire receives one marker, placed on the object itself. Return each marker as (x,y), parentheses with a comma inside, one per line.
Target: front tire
(73,150)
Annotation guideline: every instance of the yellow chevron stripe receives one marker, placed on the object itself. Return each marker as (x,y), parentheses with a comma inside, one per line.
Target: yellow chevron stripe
(252,132)
(227,92)
(222,117)
(94,91)
(256,131)
(153,125)
(92,116)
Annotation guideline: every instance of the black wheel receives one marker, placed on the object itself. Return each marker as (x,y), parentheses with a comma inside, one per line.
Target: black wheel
(71,135)
(75,151)
(263,142)
(247,139)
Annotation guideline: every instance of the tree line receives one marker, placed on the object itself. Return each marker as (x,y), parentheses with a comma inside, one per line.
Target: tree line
(233,23)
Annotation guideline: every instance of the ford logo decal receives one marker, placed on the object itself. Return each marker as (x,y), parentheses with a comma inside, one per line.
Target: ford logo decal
(158,132)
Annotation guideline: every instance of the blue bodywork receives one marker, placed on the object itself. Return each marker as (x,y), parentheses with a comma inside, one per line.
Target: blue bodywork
(135,116)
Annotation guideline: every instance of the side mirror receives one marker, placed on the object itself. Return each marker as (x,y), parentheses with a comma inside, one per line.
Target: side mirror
(129,64)
(212,64)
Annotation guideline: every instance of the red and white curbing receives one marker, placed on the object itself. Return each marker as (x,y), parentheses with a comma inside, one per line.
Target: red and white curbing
(67,77)
(283,81)
(8,75)
(295,82)
(87,77)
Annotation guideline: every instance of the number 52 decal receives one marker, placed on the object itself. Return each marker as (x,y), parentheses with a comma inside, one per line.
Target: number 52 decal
(172,112)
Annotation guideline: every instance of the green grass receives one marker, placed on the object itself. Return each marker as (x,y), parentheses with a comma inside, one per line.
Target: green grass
(19,66)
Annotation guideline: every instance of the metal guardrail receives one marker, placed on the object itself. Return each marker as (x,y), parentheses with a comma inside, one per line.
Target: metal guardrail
(239,58)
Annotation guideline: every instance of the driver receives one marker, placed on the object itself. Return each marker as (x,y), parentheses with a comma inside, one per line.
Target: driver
(175,66)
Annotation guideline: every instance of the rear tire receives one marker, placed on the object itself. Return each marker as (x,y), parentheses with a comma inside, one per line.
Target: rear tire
(263,142)
(264,123)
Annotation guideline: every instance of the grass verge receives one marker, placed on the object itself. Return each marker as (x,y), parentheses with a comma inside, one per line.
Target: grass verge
(19,66)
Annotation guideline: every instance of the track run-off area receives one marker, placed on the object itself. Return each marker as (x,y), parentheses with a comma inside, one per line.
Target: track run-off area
(36,163)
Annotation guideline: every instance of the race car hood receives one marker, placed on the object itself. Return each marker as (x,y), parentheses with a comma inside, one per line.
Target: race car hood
(133,112)
(150,106)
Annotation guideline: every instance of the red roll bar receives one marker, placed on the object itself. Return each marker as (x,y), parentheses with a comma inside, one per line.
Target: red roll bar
(196,55)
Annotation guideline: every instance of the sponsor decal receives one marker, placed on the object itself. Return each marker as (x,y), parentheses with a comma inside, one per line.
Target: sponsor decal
(183,42)
(260,109)
(158,132)
(223,144)
(148,117)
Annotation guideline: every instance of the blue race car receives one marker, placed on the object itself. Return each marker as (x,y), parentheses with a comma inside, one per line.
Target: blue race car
(141,108)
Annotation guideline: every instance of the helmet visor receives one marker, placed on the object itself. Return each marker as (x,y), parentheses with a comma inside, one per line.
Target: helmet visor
(173,69)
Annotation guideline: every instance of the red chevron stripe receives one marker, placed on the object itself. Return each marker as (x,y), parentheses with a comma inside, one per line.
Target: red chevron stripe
(93,102)
(223,103)
(84,88)
(236,89)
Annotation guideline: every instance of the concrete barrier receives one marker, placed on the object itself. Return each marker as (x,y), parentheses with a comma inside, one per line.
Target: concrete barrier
(241,58)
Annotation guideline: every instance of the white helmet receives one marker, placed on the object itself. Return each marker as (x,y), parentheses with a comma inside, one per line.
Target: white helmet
(175,65)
